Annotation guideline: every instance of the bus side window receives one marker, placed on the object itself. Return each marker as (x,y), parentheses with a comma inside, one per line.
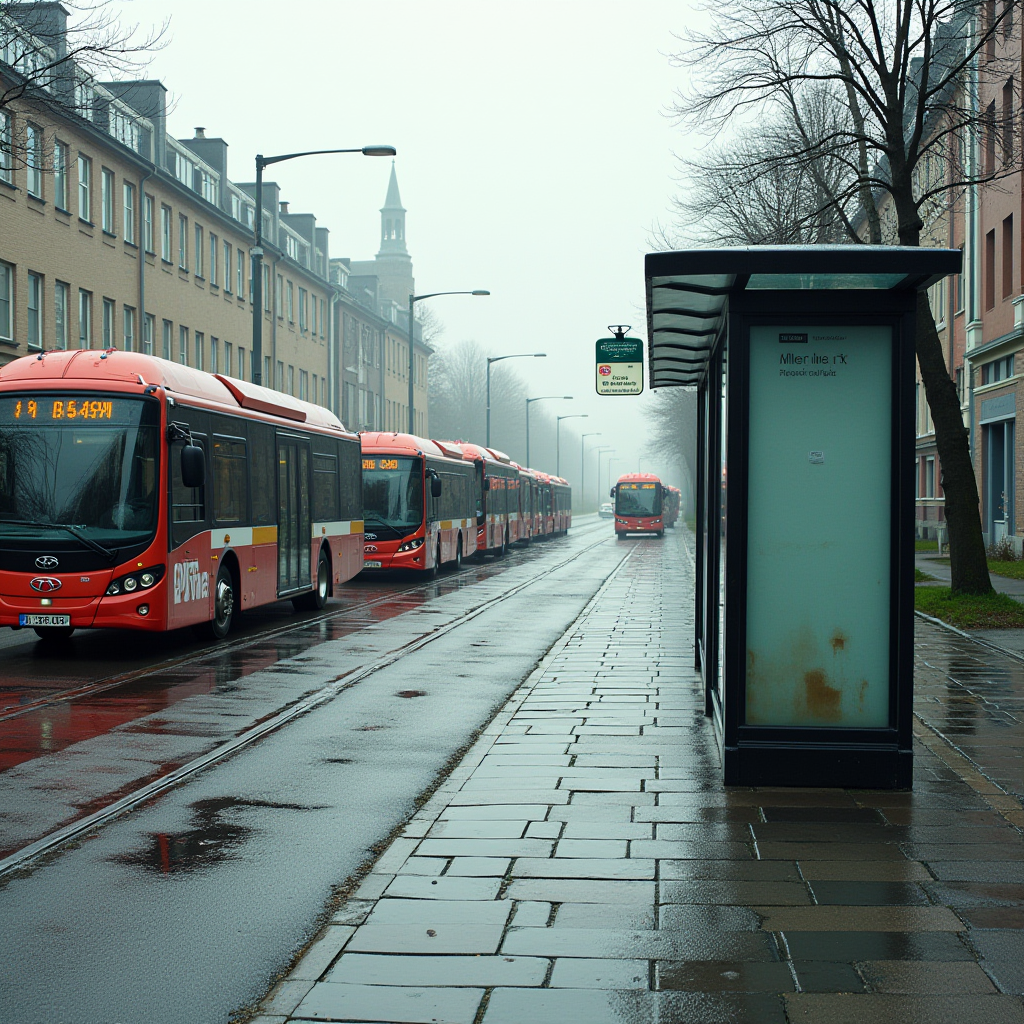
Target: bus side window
(325,488)
(351,474)
(188,504)
(261,475)
(230,483)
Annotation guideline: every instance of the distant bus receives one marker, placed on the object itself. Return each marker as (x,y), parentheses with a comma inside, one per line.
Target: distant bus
(138,493)
(419,503)
(670,502)
(638,505)
(497,486)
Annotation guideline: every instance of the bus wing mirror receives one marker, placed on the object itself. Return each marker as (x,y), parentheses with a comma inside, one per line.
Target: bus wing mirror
(435,487)
(611,493)
(193,466)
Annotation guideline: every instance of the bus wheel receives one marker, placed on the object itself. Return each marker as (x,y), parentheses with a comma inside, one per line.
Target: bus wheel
(437,560)
(54,634)
(660,534)
(503,550)
(620,536)
(316,598)
(458,555)
(223,605)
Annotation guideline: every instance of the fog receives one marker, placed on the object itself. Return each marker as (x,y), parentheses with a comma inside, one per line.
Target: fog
(534,158)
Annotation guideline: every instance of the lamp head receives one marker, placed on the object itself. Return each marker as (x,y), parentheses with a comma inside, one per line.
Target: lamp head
(379,151)
(480,291)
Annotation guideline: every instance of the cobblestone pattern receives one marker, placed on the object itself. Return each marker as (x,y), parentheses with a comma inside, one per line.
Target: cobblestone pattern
(584,863)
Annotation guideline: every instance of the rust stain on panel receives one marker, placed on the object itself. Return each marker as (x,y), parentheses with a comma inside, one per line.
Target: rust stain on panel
(823,701)
(838,641)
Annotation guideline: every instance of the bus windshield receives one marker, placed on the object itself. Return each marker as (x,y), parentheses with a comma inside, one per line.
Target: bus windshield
(638,500)
(81,465)
(392,494)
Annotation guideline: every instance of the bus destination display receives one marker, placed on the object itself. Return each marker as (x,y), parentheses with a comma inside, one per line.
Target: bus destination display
(637,487)
(380,463)
(47,409)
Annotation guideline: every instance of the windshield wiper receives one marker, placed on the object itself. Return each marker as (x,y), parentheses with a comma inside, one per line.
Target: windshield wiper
(370,518)
(73,530)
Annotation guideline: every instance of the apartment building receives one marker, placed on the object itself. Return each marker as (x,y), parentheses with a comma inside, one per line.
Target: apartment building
(115,234)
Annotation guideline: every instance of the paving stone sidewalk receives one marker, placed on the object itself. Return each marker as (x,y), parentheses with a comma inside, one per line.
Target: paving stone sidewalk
(584,863)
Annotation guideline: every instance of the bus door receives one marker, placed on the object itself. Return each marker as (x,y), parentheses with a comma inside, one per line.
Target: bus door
(294,529)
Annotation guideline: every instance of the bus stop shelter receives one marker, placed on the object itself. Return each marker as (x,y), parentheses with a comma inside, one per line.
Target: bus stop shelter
(804,364)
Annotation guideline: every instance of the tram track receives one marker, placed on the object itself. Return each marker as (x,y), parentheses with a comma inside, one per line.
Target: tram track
(242,643)
(268,724)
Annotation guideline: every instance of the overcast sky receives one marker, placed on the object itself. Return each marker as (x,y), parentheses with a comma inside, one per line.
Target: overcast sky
(534,152)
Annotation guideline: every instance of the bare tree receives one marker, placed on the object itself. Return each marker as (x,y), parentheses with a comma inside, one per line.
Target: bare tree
(672,421)
(906,70)
(53,53)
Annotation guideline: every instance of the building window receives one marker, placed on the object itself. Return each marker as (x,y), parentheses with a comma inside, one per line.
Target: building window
(990,269)
(147,217)
(108,323)
(183,241)
(929,477)
(291,303)
(128,205)
(291,381)
(1007,256)
(241,363)
(313,312)
(200,344)
(167,329)
(84,188)
(323,318)
(213,259)
(240,274)
(279,376)
(302,309)
(165,233)
(6,148)
(278,294)
(214,367)
(303,385)
(60,175)
(6,301)
(997,370)
(148,330)
(84,318)
(60,313)
(227,267)
(227,357)
(990,139)
(183,345)
(35,310)
(129,329)
(34,160)
(266,288)
(107,199)
(199,251)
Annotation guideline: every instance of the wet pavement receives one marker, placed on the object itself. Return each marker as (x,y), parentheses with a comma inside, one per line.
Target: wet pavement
(584,863)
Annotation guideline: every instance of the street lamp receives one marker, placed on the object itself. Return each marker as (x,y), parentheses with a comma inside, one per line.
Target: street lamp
(257,249)
(583,466)
(412,347)
(609,468)
(541,398)
(558,445)
(498,359)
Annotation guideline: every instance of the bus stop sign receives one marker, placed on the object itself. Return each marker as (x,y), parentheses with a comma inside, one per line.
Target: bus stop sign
(620,366)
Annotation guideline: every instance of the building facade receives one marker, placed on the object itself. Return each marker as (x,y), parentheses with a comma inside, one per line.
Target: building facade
(113,234)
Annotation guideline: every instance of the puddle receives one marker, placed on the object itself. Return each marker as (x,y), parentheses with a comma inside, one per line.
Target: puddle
(411,693)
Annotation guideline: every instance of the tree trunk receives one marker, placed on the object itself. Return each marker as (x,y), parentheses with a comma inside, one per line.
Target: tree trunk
(967,557)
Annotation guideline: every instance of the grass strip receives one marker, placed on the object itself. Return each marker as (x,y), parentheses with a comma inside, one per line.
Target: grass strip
(922,577)
(926,545)
(1014,570)
(991,611)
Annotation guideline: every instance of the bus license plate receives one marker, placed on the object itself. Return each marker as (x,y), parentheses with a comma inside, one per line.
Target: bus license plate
(44,620)
(371,565)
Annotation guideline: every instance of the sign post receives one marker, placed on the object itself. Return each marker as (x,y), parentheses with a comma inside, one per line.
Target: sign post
(620,364)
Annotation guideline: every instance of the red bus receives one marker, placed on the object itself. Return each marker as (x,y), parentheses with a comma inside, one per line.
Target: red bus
(497,486)
(671,501)
(419,503)
(139,493)
(638,504)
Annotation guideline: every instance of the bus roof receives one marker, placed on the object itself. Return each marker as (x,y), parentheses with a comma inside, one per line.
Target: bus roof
(391,441)
(94,368)
(638,477)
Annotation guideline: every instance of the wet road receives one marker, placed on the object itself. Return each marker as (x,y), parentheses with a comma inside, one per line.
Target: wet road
(186,909)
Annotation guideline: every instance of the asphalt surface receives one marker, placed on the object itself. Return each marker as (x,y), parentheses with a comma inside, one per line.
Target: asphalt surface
(188,908)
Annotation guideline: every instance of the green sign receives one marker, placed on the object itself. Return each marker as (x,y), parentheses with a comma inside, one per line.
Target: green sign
(620,366)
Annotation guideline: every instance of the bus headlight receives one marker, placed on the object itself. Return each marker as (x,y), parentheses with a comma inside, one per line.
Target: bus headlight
(410,545)
(133,580)
(130,583)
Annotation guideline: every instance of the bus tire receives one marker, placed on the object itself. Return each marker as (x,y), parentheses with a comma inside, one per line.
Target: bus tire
(223,606)
(620,536)
(458,555)
(437,559)
(660,534)
(503,550)
(315,600)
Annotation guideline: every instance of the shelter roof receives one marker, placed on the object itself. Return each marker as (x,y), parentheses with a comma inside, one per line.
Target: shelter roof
(688,290)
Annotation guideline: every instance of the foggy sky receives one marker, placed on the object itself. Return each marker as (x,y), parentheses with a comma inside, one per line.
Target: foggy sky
(534,154)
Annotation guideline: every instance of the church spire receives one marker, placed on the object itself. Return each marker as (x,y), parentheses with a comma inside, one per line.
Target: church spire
(392,221)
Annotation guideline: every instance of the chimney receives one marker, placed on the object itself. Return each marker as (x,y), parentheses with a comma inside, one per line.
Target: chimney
(200,133)
(284,207)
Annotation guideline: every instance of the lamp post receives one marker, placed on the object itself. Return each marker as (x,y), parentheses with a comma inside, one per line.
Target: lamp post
(412,347)
(609,468)
(583,466)
(498,359)
(605,449)
(541,398)
(257,250)
(558,440)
